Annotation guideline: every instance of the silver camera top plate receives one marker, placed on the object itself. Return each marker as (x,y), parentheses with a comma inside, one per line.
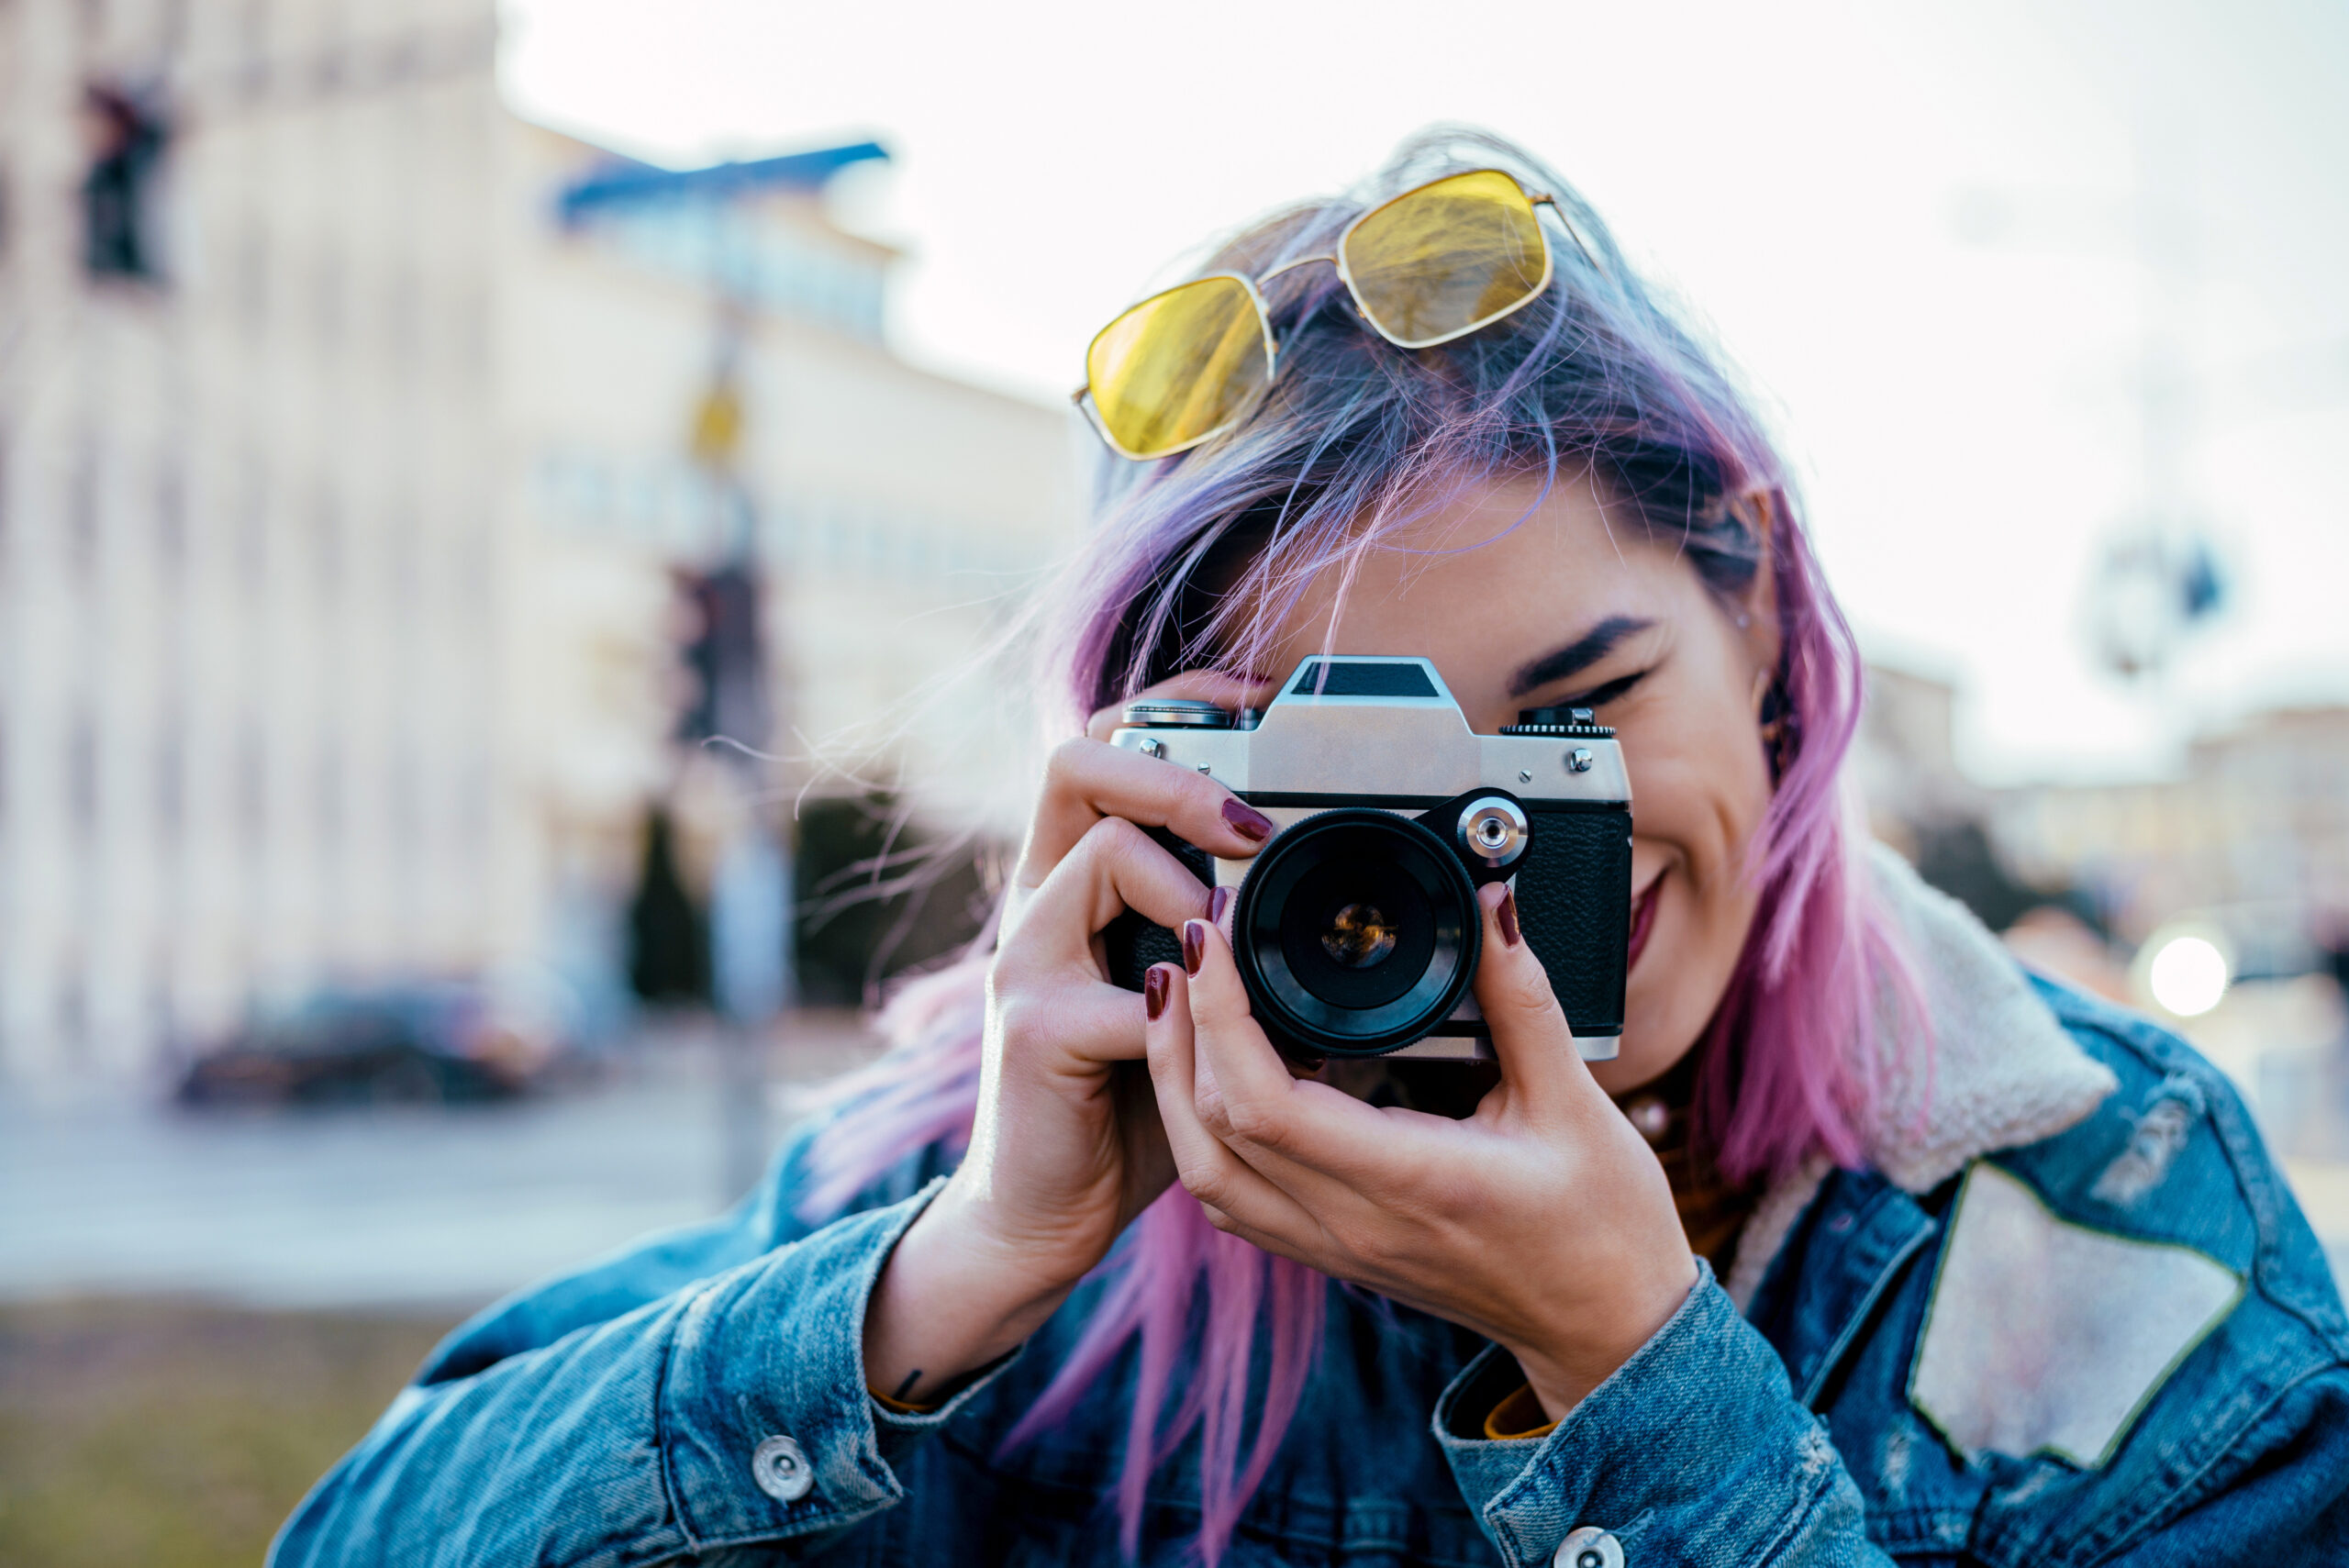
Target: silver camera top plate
(1385,729)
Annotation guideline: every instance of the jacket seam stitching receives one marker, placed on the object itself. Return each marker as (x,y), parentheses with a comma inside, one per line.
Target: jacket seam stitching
(2170,1504)
(2267,1242)
(2094,1547)
(671,1493)
(1808,1506)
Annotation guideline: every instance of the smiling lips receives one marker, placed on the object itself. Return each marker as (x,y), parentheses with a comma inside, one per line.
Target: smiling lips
(1643,919)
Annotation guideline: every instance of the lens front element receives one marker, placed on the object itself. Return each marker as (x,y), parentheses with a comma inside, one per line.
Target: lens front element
(1355,933)
(1358,936)
(1180,366)
(1438,262)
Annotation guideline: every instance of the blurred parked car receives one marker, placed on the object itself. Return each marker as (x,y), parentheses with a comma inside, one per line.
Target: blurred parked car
(419,1044)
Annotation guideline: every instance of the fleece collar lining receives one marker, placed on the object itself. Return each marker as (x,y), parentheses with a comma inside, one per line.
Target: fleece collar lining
(2000,1072)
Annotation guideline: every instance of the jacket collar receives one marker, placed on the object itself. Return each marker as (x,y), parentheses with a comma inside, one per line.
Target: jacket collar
(1998,1071)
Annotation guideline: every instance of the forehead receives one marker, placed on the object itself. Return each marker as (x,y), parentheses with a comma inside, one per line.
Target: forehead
(1497,559)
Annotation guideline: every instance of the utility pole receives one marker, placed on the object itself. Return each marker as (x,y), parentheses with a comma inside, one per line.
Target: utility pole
(738,710)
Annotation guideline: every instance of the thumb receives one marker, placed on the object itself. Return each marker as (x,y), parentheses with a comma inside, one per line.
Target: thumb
(1530,1035)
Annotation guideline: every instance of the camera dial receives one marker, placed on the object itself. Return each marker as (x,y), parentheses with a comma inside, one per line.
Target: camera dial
(1493,831)
(1176,713)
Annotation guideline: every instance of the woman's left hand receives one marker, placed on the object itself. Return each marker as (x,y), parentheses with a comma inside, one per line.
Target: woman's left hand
(1542,1221)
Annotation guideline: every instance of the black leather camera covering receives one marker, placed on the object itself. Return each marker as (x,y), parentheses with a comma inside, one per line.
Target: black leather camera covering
(1135,943)
(1573,904)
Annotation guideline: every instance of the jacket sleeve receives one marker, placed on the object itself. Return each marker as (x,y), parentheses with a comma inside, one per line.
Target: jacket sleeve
(727,1410)
(1695,1452)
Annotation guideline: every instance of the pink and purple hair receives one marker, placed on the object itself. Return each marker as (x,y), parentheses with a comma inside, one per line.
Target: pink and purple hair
(1190,562)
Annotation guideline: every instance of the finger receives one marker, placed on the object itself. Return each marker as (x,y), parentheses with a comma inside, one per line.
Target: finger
(1088,1021)
(1224,688)
(1087,781)
(1530,1035)
(1311,1139)
(1115,867)
(1222,1182)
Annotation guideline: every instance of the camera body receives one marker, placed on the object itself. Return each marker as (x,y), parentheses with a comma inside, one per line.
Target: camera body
(1355,927)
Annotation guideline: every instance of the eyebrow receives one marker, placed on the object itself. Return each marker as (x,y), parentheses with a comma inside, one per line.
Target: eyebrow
(1579,655)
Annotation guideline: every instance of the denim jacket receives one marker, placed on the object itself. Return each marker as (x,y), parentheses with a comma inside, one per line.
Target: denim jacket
(2067,1314)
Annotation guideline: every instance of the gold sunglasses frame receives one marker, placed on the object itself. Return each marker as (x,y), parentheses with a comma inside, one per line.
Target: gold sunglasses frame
(1336,258)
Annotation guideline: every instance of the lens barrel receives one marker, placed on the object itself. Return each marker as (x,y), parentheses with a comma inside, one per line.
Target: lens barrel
(1356,932)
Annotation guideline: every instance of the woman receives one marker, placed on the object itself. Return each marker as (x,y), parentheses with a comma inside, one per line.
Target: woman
(1866,1246)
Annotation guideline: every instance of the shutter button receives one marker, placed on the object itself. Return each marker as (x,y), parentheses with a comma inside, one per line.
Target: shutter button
(1588,1546)
(780,1467)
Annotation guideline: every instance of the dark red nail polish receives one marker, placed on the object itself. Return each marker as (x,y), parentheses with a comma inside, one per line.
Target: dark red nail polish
(1153,991)
(1216,899)
(1506,914)
(1195,945)
(1251,825)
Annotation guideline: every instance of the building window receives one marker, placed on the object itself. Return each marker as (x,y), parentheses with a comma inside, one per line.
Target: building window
(252,785)
(329,543)
(170,784)
(170,521)
(252,529)
(82,507)
(82,774)
(252,275)
(330,800)
(327,286)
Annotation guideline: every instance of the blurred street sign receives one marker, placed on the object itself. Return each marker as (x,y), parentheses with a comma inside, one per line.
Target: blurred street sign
(624,183)
(717,426)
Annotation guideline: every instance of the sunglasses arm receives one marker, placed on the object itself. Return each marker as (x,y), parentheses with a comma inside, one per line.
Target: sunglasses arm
(1083,403)
(1568,225)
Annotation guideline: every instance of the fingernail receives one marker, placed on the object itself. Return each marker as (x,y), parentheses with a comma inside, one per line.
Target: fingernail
(1195,945)
(1217,898)
(1153,991)
(1251,825)
(1507,915)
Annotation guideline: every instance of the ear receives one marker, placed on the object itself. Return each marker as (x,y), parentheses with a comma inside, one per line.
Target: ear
(1755,608)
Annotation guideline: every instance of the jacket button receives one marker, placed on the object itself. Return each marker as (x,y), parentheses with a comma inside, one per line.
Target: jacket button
(1588,1546)
(780,1467)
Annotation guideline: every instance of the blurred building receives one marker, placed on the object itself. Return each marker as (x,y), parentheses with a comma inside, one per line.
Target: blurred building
(2254,818)
(343,474)
(1905,757)
(2257,816)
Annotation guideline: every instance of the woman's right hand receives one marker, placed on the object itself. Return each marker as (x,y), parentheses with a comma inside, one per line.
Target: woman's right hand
(1066,1148)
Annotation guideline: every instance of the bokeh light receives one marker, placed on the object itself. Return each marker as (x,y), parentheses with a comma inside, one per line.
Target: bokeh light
(2189,975)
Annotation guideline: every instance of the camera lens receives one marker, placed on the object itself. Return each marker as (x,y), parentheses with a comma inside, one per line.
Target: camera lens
(1358,936)
(1355,933)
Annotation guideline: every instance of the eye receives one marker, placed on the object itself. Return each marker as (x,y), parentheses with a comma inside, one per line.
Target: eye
(1599,696)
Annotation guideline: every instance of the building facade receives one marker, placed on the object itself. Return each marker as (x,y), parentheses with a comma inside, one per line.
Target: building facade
(342,483)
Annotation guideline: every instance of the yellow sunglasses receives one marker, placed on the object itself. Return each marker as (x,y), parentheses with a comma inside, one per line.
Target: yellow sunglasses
(1437,263)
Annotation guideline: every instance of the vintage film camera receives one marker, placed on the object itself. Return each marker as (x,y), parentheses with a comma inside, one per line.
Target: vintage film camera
(1355,927)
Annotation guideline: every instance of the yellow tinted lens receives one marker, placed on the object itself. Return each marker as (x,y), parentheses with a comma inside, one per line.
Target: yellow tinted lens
(1444,258)
(1179,366)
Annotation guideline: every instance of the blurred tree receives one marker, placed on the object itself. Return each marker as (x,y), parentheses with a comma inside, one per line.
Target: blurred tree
(1958,858)
(877,897)
(668,942)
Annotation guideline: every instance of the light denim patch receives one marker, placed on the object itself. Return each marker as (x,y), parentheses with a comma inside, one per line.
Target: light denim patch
(2047,1337)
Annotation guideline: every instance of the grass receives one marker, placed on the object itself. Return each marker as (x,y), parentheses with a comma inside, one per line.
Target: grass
(179,1436)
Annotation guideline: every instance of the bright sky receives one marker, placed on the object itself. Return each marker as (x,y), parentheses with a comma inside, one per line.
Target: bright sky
(1962,411)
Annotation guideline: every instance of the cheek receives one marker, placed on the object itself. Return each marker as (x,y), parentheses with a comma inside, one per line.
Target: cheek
(1698,795)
